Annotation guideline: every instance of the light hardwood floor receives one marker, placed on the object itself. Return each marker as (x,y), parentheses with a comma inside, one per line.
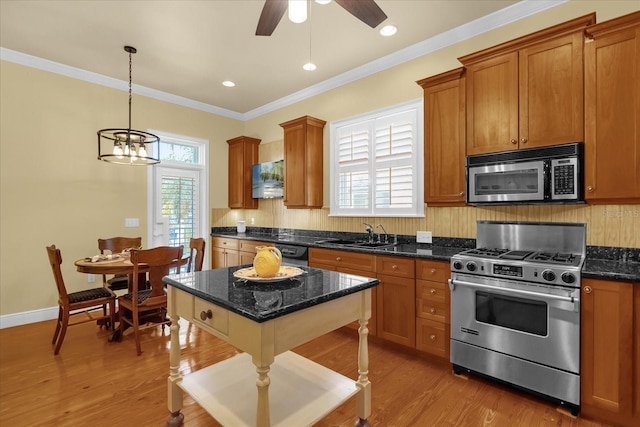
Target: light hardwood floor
(96,383)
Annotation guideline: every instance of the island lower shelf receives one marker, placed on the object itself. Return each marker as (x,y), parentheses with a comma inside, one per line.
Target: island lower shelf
(301,392)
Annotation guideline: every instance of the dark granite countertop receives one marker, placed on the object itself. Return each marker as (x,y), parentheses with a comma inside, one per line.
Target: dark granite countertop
(265,301)
(600,263)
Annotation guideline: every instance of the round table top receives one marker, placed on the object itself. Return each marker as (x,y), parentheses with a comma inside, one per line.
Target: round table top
(119,266)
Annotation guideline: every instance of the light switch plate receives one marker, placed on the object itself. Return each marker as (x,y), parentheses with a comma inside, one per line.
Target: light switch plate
(131,222)
(423,236)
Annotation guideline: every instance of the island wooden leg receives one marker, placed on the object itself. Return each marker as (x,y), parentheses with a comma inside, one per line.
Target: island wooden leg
(176,418)
(263,418)
(363,400)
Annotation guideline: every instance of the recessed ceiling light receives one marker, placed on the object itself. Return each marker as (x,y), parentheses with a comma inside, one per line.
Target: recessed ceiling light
(309,66)
(388,30)
(323,1)
(228,83)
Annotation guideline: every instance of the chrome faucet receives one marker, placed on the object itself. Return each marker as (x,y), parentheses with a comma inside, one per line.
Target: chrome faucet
(369,230)
(386,235)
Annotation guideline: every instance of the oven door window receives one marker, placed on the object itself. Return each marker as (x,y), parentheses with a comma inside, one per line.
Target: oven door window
(515,313)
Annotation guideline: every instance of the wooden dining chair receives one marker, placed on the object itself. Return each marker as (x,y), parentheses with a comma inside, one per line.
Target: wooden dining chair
(146,308)
(196,256)
(86,303)
(116,245)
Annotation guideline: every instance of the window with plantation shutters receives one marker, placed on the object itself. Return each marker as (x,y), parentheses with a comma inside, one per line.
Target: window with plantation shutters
(376,167)
(180,205)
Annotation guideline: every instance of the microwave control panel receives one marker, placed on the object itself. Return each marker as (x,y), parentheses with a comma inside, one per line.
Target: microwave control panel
(564,178)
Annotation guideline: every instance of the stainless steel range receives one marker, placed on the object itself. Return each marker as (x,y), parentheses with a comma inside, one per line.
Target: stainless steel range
(515,307)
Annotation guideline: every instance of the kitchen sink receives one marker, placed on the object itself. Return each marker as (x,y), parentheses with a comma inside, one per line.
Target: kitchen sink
(355,243)
(337,242)
(373,245)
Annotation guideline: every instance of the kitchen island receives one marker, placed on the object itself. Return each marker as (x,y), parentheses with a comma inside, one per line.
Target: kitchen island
(268,385)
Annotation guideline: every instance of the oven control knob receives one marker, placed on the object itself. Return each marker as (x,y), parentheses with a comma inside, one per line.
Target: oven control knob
(568,277)
(471,266)
(549,275)
(457,265)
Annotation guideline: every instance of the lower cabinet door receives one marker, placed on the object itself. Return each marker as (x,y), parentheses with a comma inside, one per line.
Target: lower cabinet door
(432,337)
(396,314)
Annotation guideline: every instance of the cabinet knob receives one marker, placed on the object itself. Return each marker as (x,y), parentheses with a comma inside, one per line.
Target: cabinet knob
(204,315)
(461,194)
(433,271)
(587,289)
(514,141)
(432,311)
(432,337)
(394,267)
(338,259)
(523,140)
(433,291)
(590,189)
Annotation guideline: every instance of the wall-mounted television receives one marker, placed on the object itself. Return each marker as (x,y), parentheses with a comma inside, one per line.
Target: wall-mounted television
(267,180)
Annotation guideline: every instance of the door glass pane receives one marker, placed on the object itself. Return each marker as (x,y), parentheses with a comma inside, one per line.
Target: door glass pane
(179,205)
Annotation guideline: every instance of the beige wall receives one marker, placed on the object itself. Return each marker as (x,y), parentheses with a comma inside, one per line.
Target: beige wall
(63,195)
(54,191)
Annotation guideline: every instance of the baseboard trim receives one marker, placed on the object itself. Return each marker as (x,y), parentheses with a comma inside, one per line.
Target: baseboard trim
(26,317)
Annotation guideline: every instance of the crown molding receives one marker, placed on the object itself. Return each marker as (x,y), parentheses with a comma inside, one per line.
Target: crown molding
(515,12)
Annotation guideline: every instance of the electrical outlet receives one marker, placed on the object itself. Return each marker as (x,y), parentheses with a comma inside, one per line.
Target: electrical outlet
(423,236)
(91,278)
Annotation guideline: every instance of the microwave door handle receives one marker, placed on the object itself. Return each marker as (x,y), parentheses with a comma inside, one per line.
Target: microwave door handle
(454,283)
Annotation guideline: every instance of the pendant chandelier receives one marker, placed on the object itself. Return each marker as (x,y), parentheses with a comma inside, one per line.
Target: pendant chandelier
(128,146)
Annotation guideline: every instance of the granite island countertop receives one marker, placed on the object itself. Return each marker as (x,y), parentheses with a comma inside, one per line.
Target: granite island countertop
(263,301)
(597,264)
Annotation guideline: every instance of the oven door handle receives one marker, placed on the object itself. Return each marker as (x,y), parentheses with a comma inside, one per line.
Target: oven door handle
(453,283)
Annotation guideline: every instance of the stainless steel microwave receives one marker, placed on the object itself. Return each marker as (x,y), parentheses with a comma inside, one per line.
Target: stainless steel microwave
(530,176)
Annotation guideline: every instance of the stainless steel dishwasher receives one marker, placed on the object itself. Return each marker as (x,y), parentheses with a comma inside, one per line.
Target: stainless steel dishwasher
(294,254)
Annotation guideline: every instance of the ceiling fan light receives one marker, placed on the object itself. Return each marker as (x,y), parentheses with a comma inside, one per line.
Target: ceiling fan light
(309,66)
(297,11)
(388,30)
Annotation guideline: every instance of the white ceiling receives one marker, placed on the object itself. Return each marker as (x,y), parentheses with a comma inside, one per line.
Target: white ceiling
(187,48)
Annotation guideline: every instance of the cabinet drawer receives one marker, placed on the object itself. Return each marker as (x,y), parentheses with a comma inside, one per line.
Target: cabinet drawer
(437,271)
(436,311)
(225,242)
(395,266)
(250,245)
(354,260)
(210,316)
(432,337)
(434,292)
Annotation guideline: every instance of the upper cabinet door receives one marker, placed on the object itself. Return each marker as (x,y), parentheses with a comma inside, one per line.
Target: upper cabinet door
(612,96)
(492,104)
(551,92)
(243,154)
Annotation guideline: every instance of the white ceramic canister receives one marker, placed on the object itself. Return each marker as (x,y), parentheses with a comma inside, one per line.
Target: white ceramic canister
(241,226)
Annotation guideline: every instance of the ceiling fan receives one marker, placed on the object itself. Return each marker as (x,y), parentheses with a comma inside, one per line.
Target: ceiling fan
(366,11)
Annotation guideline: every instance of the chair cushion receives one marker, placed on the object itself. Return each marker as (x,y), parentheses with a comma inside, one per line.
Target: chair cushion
(89,294)
(142,295)
(118,283)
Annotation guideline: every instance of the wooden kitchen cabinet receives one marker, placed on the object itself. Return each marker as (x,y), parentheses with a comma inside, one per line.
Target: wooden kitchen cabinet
(433,307)
(243,154)
(247,250)
(351,263)
(224,252)
(303,154)
(444,138)
(612,115)
(527,92)
(610,351)
(396,313)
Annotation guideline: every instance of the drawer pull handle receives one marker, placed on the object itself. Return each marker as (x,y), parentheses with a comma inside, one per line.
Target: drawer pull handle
(432,337)
(204,315)
(433,291)
(587,289)
(338,259)
(433,271)
(394,267)
(433,310)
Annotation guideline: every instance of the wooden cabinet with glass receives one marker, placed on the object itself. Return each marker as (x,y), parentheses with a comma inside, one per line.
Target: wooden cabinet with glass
(396,310)
(243,154)
(527,92)
(612,115)
(303,154)
(444,138)
(610,351)
(433,307)
(351,263)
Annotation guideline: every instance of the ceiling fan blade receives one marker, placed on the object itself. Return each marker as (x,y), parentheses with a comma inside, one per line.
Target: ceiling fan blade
(365,10)
(272,13)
